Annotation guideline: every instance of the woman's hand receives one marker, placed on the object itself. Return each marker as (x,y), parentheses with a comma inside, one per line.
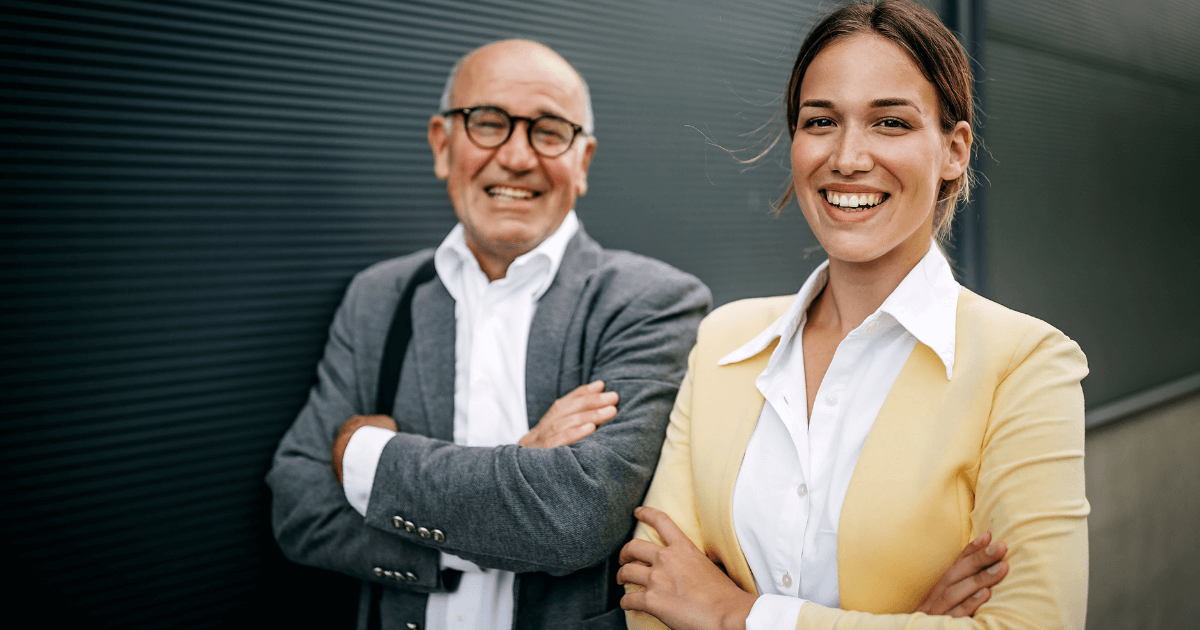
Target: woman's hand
(966,585)
(682,587)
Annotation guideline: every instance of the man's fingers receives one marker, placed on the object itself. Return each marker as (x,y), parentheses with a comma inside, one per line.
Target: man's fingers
(667,530)
(572,404)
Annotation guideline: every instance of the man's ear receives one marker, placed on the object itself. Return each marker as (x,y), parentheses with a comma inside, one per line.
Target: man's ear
(439,142)
(959,154)
(585,160)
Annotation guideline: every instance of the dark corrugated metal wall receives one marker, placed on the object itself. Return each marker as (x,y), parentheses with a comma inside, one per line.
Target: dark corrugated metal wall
(188,186)
(1091,220)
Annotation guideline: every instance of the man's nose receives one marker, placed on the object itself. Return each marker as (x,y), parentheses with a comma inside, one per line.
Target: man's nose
(516,154)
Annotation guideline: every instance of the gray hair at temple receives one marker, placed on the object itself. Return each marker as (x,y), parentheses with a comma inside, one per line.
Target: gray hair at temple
(589,121)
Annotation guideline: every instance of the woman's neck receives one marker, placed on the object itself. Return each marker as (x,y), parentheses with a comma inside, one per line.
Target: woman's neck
(855,290)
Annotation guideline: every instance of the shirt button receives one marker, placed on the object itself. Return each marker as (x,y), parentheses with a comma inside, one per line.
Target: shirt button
(831,399)
(802,489)
(872,326)
(787,579)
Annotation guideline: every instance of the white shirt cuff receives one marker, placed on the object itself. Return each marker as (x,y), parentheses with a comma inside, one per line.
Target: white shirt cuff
(771,612)
(359,463)
(451,561)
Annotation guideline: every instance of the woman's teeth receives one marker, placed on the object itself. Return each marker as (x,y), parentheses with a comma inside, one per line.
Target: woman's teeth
(506,193)
(853,202)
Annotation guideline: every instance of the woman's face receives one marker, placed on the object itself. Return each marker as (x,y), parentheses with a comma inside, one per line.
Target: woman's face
(869,154)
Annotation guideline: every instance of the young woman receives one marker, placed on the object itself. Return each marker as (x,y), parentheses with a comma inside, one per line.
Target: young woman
(834,450)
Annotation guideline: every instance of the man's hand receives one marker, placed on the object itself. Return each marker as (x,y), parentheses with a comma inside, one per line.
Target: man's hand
(681,586)
(347,431)
(573,417)
(966,585)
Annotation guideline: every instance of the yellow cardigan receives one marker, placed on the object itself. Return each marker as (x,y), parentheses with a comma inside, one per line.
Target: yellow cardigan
(999,447)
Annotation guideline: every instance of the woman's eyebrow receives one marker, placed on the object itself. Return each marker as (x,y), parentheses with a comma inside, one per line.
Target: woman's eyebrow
(817,103)
(894,102)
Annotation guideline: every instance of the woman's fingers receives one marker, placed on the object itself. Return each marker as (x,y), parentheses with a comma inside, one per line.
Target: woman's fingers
(971,560)
(634,573)
(666,528)
(963,593)
(971,604)
(638,550)
(977,568)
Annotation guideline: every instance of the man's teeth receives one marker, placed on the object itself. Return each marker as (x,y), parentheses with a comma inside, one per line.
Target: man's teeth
(853,202)
(507,193)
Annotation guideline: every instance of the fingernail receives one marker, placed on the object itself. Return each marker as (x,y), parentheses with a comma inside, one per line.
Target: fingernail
(991,549)
(994,569)
(978,594)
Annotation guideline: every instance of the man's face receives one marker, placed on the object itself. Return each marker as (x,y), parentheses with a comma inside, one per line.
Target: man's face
(510,198)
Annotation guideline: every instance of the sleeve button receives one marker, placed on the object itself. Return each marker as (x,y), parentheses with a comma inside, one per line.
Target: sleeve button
(397,522)
(423,532)
(409,527)
(378,572)
(410,576)
(438,536)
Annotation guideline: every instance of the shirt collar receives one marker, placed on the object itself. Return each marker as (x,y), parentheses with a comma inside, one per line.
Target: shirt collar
(925,303)
(453,258)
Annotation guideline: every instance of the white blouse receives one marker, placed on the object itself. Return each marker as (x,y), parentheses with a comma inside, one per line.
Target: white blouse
(793,480)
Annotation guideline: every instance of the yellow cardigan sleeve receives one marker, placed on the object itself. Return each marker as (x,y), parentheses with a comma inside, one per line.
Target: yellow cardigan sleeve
(1030,494)
(671,489)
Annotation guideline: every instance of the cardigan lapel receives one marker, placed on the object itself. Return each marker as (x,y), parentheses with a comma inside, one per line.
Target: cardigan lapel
(434,336)
(548,331)
(744,422)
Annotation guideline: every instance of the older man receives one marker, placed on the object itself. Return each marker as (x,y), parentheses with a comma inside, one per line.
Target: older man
(491,486)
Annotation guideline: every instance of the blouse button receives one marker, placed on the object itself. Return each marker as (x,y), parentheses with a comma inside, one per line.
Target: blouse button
(787,579)
(802,489)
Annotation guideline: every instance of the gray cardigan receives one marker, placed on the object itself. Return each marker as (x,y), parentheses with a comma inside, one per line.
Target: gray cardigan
(555,516)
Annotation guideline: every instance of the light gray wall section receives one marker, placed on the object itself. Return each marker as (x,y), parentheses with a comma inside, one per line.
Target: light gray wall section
(1143,481)
(1091,217)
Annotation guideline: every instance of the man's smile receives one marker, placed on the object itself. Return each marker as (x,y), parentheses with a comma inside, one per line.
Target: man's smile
(510,193)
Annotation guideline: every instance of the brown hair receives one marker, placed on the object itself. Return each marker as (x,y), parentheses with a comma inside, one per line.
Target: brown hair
(930,45)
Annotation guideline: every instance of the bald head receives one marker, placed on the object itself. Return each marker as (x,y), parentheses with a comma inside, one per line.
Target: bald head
(535,58)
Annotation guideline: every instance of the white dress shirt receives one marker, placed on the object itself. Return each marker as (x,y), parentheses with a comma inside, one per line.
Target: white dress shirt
(492,335)
(789,492)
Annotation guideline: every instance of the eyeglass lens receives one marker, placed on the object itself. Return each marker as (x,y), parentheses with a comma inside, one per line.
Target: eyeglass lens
(549,135)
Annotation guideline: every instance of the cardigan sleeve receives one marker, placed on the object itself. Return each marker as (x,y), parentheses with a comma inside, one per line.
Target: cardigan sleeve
(671,489)
(1030,494)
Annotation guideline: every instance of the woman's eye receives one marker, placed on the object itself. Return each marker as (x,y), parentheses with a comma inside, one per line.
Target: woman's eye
(818,122)
(894,123)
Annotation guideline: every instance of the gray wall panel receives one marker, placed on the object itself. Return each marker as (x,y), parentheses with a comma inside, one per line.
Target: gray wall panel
(1090,218)
(188,187)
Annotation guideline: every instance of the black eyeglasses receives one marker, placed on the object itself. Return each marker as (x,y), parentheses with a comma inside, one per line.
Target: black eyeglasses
(490,127)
